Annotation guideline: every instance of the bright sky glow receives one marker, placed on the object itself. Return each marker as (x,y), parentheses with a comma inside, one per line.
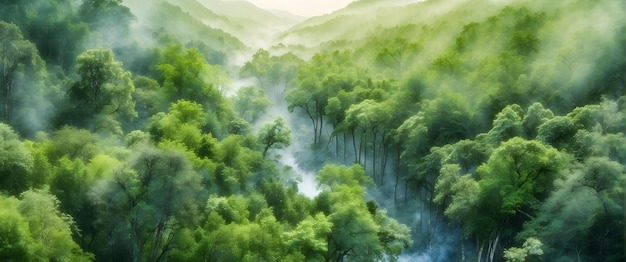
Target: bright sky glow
(306,8)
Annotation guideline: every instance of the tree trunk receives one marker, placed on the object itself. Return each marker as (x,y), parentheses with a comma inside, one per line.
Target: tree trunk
(462,243)
(356,160)
(384,158)
(493,245)
(374,156)
(397,171)
(481,248)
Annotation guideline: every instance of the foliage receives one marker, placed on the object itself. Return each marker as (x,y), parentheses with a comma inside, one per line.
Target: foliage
(457,130)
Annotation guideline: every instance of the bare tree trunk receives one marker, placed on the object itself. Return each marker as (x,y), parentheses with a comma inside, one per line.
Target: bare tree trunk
(481,247)
(462,243)
(356,154)
(397,171)
(493,245)
(374,156)
(384,158)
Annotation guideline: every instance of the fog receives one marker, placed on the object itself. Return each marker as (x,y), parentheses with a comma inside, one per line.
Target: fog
(401,88)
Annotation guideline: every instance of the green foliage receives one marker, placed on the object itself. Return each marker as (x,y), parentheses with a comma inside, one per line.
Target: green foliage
(275,135)
(501,121)
(103,95)
(274,74)
(251,103)
(183,72)
(16,163)
(520,173)
(15,238)
(73,143)
(51,230)
(149,199)
(532,246)
(22,91)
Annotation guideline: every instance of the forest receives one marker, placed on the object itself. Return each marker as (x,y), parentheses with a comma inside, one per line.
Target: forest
(389,130)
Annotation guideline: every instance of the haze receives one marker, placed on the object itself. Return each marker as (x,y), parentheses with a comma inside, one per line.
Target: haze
(307,8)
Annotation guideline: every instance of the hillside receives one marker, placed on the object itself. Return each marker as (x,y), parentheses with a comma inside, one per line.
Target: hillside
(389,130)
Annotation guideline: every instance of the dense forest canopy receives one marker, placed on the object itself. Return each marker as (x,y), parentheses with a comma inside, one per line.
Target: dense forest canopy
(389,130)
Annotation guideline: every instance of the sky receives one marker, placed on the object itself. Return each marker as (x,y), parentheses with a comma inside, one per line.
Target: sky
(306,8)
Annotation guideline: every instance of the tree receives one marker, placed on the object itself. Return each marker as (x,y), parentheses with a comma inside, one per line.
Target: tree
(184,73)
(275,135)
(50,229)
(110,18)
(583,217)
(514,181)
(72,143)
(359,231)
(274,74)
(506,125)
(531,246)
(309,237)
(258,67)
(535,116)
(104,93)
(56,30)
(558,132)
(317,81)
(16,163)
(22,71)
(15,238)
(251,103)
(183,123)
(149,202)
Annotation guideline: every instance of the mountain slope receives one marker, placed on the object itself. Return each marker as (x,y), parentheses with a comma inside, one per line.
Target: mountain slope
(162,19)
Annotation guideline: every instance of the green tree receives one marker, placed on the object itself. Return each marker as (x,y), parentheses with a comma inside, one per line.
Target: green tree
(506,125)
(22,72)
(184,75)
(15,239)
(359,231)
(251,103)
(583,217)
(103,96)
(274,74)
(16,162)
(531,246)
(73,143)
(535,116)
(110,18)
(514,181)
(274,135)
(183,124)
(50,229)
(53,26)
(149,202)
(309,237)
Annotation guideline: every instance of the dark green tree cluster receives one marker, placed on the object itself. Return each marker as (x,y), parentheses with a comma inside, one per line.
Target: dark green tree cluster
(111,150)
(477,116)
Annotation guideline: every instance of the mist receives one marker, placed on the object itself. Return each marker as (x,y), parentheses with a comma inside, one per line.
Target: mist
(405,130)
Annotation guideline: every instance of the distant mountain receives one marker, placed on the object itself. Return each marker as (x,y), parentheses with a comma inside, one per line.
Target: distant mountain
(286,14)
(245,11)
(357,20)
(254,26)
(162,19)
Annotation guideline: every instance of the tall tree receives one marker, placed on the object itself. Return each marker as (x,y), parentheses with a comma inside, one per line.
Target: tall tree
(104,90)
(16,162)
(275,135)
(153,198)
(110,18)
(18,58)
(514,181)
(50,228)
